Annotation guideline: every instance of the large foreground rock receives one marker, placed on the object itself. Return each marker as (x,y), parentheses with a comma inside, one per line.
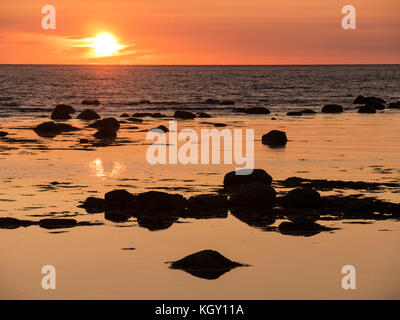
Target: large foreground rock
(232,179)
(274,138)
(253,195)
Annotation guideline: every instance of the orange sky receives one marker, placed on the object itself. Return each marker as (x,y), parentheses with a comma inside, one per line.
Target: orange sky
(203,31)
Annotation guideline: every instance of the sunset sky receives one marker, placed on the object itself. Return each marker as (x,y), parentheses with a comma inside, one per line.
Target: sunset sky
(201,32)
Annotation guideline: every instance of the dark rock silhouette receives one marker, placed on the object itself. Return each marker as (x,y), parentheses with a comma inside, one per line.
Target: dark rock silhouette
(137,120)
(232,180)
(364,100)
(294,113)
(51,129)
(332,108)
(207,206)
(3,134)
(62,112)
(206,264)
(161,127)
(301,198)
(156,201)
(301,228)
(57,223)
(308,111)
(180,114)
(119,199)
(394,105)
(254,110)
(94,205)
(105,133)
(124,115)
(274,138)
(118,215)
(141,114)
(88,114)
(109,123)
(203,115)
(366,109)
(91,102)
(157,115)
(253,195)
(13,223)
(376,105)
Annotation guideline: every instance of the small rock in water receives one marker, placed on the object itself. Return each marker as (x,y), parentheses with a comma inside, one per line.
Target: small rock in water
(206,264)
(91,102)
(88,114)
(254,110)
(274,138)
(3,134)
(394,105)
(364,100)
(105,133)
(294,113)
(162,128)
(366,109)
(300,228)
(62,112)
(376,105)
(227,103)
(180,114)
(332,108)
(203,115)
(124,115)
(106,123)
(57,223)
(13,223)
(94,205)
(141,114)
(137,120)
(243,177)
(51,129)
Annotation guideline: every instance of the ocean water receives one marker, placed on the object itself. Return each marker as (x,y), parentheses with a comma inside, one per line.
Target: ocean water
(280,88)
(49,177)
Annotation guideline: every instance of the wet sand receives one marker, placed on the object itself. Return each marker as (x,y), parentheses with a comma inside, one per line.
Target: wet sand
(43,177)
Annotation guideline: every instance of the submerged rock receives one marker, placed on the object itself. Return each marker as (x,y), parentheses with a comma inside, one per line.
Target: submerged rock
(57,223)
(88,114)
(232,179)
(253,195)
(206,264)
(180,114)
(274,138)
(301,198)
(308,111)
(332,108)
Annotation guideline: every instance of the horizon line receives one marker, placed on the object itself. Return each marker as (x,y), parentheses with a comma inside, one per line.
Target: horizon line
(196,65)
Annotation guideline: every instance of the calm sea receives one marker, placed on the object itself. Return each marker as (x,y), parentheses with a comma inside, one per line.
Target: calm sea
(27,89)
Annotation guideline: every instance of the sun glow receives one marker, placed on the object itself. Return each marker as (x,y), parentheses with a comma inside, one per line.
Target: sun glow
(105,45)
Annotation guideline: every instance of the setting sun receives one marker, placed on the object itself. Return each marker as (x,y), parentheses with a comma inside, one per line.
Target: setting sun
(105,44)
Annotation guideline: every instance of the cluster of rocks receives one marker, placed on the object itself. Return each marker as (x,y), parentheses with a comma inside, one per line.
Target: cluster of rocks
(14,223)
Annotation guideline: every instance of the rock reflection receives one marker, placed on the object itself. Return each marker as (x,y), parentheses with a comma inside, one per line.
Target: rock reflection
(256,218)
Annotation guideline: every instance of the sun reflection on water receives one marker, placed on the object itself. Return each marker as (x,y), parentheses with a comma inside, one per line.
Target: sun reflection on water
(97,169)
